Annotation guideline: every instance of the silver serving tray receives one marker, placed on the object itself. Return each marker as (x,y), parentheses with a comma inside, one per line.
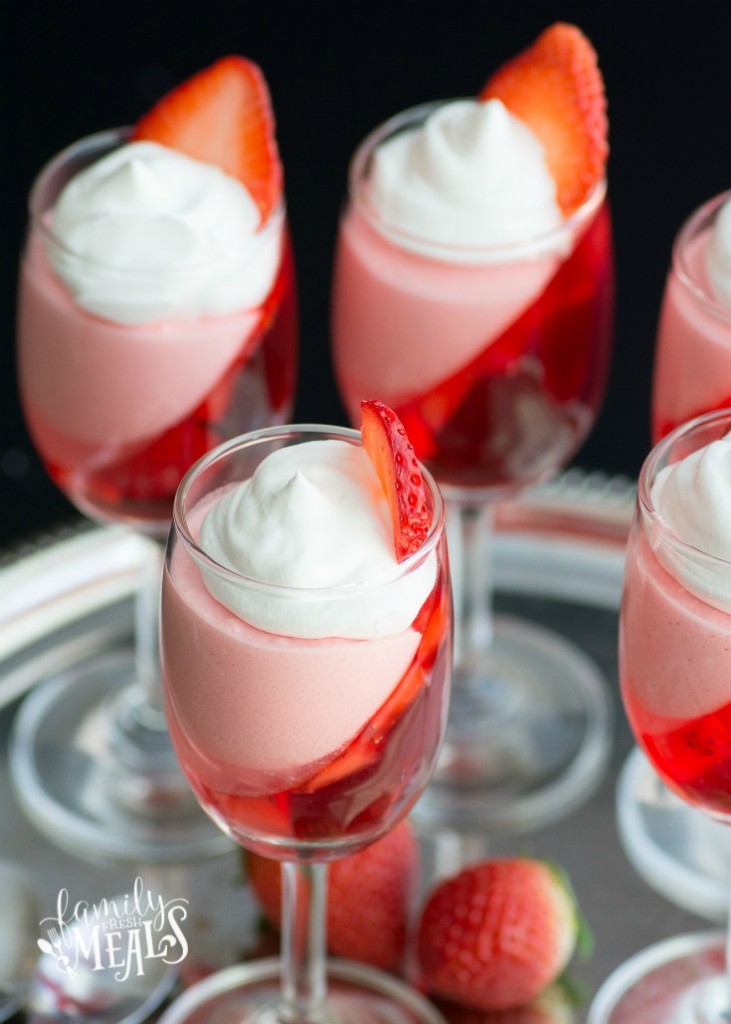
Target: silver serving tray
(559,560)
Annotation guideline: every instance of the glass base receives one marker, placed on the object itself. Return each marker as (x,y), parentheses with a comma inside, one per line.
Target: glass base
(528,738)
(677,981)
(679,851)
(10,1004)
(96,997)
(92,790)
(249,993)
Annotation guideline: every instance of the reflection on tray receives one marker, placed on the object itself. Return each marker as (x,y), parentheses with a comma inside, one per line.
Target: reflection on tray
(679,852)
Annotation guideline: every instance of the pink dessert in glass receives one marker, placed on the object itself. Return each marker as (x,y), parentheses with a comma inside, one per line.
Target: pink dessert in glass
(675,667)
(517,387)
(473,293)
(156,311)
(156,319)
(676,623)
(693,356)
(473,282)
(303,714)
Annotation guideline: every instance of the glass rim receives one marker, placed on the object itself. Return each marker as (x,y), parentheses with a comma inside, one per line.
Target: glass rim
(703,216)
(648,474)
(220,452)
(103,142)
(544,242)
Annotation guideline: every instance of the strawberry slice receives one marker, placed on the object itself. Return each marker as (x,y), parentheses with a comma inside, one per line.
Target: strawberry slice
(392,455)
(556,88)
(367,747)
(223,116)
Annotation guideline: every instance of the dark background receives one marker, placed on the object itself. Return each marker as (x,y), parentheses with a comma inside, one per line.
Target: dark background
(335,70)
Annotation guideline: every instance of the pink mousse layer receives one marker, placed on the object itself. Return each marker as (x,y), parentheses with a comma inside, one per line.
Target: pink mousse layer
(403,322)
(674,648)
(693,364)
(103,383)
(262,710)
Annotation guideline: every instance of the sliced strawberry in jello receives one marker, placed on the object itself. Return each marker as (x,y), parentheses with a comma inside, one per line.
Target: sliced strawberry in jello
(392,455)
(367,747)
(556,88)
(223,116)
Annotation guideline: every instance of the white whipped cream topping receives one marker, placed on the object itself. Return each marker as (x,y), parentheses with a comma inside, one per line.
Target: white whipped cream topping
(313,515)
(718,255)
(472,175)
(148,233)
(693,497)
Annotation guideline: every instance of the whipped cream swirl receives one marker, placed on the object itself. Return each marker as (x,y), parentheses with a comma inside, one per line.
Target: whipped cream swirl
(718,255)
(313,516)
(693,496)
(471,176)
(147,233)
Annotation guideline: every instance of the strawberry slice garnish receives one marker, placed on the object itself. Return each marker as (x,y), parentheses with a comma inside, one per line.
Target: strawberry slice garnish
(223,116)
(556,88)
(392,455)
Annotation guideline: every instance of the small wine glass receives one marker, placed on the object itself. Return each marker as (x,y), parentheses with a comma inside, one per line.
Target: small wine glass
(690,377)
(118,411)
(693,353)
(674,661)
(302,750)
(495,359)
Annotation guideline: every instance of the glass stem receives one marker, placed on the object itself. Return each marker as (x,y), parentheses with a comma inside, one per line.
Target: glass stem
(147,635)
(304,908)
(469,535)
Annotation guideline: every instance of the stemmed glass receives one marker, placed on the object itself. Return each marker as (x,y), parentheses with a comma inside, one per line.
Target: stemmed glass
(675,664)
(690,377)
(495,360)
(118,411)
(301,749)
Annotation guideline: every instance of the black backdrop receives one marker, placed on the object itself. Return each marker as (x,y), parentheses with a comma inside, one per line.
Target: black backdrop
(336,69)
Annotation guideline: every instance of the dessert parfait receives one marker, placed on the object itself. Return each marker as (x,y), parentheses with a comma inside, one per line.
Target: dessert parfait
(156,318)
(156,306)
(473,281)
(473,292)
(306,640)
(674,663)
(306,653)
(693,356)
(676,627)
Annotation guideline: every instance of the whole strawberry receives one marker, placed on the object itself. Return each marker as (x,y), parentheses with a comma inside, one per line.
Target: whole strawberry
(498,934)
(369,894)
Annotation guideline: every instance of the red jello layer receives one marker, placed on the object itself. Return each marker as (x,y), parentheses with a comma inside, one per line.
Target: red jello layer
(372,781)
(526,402)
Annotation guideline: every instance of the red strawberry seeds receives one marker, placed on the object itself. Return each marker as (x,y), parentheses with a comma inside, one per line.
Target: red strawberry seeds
(556,88)
(497,934)
(392,455)
(223,116)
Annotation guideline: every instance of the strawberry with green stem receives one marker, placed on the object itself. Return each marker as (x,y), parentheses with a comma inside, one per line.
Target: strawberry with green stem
(498,934)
